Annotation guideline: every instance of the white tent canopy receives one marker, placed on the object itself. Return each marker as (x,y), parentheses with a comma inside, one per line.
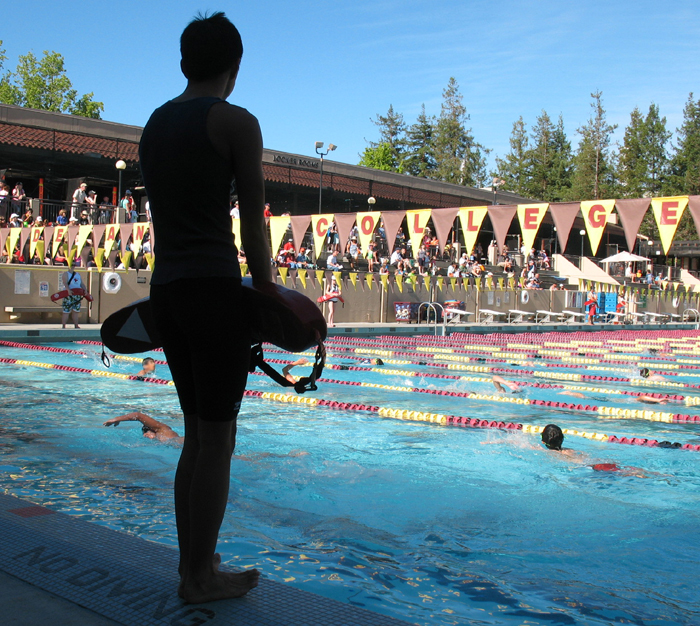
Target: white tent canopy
(624,257)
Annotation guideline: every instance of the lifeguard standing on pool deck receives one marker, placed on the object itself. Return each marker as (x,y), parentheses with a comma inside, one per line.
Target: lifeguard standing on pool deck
(199,136)
(74,292)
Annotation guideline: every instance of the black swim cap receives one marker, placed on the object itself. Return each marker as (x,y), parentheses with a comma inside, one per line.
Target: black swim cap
(552,437)
(644,372)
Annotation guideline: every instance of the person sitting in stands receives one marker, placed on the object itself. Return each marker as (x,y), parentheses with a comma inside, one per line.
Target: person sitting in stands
(62,219)
(15,222)
(372,255)
(384,267)
(3,221)
(148,367)
(28,219)
(396,256)
(302,260)
(289,245)
(332,262)
(84,218)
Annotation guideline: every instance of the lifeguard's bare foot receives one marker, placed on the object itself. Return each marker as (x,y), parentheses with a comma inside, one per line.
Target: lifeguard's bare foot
(220,586)
(216,561)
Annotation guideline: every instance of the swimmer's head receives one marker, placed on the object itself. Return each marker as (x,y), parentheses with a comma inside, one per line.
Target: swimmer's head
(644,372)
(210,46)
(148,432)
(552,437)
(377,362)
(148,365)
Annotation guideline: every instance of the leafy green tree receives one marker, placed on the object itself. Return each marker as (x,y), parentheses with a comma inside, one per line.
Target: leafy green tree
(8,93)
(392,133)
(43,84)
(514,168)
(594,176)
(420,148)
(460,159)
(380,157)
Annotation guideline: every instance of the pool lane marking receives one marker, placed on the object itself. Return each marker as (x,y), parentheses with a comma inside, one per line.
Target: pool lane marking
(407,414)
(689,400)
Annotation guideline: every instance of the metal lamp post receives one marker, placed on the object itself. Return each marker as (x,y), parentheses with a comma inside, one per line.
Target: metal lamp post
(495,184)
(121,166)
(319,151)
(555,240)
(583,234)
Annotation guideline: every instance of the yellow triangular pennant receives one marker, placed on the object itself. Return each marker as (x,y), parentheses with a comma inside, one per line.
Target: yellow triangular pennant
(399,281)
(302,277)
(319,276)
(353,279)
(453,282)
(370,279)
(530,217)
(384,279)
(440,282)
(595,215)
(99,258)
(667,213)
(151,260)
(283,273)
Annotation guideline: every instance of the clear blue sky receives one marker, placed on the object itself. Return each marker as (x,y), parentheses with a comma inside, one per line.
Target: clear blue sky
(318,71)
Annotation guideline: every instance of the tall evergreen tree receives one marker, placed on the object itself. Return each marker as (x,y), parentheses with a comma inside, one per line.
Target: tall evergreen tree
(540,157)
(684,175)
(420,148)
(656,150)
(392,132)
(633,166)
(593,175)
(460,159)
(561,168)
(514,167)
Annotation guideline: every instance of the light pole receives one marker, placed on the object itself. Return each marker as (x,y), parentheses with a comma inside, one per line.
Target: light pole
(371,201)
(583,234)
(495,184)
(321,153)
(121,166)
(555,240)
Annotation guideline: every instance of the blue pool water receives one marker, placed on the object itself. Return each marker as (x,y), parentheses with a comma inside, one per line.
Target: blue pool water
(431,524)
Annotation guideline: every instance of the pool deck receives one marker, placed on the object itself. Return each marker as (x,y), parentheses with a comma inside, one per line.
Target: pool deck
(50,333)
(59,569)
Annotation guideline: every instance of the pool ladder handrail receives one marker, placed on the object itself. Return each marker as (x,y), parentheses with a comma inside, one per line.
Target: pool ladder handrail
(686,315)
(432,306)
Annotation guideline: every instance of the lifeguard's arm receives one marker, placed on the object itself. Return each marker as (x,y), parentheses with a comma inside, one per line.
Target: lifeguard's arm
(137,416)
(241,133)
(66,278)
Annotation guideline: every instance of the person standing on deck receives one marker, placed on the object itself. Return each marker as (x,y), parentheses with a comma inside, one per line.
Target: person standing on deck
(199,136)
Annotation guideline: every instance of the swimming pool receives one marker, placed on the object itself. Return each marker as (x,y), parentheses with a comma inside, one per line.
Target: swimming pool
(435,524)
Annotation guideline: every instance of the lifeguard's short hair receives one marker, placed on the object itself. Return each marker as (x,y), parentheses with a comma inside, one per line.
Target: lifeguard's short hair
(210,46)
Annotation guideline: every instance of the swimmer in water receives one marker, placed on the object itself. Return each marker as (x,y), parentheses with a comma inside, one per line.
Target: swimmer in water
(148,367)
(288,368)
(645,373)
(553,439)
(499,382)
(371,362)
(151,428)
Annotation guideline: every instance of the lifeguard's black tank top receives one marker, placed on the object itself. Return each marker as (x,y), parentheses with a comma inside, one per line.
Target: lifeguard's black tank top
(188,186)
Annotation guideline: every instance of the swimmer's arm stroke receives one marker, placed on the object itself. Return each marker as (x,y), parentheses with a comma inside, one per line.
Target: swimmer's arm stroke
(136,416)
(237,132)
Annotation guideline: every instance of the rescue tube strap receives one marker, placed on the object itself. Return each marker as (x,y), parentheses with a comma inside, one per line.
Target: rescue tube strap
(304,384)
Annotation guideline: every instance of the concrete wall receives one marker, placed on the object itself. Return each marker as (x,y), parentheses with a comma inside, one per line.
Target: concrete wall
(362,304)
